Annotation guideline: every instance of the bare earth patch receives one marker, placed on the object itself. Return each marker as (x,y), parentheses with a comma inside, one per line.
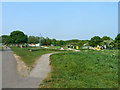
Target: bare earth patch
(22,68)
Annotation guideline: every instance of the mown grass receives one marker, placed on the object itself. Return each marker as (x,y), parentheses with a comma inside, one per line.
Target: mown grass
(84,69)
(30,57)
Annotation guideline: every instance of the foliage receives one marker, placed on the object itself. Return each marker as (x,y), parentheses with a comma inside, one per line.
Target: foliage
(117,40)
(48,41)
(54,42)
(33,39)
(96,40)
(62,42)
(109,43)
(6,39)
(105,38)
(76,42)
(18,37)
(84,69)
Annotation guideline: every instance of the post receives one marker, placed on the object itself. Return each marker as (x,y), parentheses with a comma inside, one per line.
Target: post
(40,40)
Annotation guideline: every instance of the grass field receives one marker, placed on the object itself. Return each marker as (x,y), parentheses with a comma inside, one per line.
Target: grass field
(30,57)
(84,69)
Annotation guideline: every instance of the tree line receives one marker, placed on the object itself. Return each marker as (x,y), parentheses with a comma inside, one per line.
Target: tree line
(18,37)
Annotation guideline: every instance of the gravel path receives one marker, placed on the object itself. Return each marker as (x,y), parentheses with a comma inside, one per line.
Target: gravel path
(11,78)
(42,67)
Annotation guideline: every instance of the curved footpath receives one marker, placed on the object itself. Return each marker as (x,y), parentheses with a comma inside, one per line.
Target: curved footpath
(11,78)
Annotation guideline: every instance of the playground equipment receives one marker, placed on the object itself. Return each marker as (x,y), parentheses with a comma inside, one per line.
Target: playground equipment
(77,47)
(87,47)
(98,47)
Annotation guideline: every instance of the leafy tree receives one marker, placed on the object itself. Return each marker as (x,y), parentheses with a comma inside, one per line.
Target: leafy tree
(58,43)
(48,41)
(6,39)
(106,38)
(41,40)
(112,44)
(109,43)
(54,42)
(96,40)
(117,40)
(44,41)
(18,37)
(80,43)
(33,39)
(61,42)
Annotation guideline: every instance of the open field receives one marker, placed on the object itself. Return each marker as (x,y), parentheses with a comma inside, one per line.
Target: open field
(84,69)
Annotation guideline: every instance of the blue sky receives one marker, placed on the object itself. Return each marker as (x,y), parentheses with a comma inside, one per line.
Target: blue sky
(61,20)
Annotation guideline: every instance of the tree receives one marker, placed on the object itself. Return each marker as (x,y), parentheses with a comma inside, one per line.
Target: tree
(48,41)
(54,42)
(96,40)
(44,41)
(117,40)
(6,39)
(80,43)
(33,39)
(106,38)
(18,37)
(109,43)
(61,42)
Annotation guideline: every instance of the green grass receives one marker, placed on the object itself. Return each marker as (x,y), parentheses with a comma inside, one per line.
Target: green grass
(1,48)
(55,47)
(30,57)
(84,69)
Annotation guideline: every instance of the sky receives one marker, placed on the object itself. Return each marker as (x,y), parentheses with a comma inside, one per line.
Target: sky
(61,20)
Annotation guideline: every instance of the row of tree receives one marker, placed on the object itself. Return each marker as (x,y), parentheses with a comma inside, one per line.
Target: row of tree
(17,37)
(44,41)
(20,37)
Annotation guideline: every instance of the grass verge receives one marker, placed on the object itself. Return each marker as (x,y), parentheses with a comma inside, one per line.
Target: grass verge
(28,57)
(84,69)
(1,48)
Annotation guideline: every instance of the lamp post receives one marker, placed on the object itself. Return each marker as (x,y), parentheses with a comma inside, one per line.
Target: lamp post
(40,40)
